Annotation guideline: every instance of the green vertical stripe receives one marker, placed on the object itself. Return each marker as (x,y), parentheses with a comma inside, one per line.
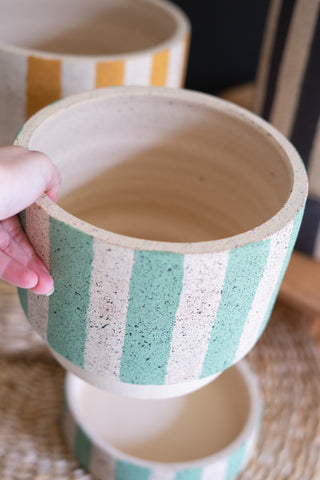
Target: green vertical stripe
(22,292)
(128,471)
(23,297)
(82,448)
(155,288)
(17,135)
(295,230)
(193,474)
(235,463)
(71,255)
(244,272)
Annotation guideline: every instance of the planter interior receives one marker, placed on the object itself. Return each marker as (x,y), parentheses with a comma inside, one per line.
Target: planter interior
(155,167)
(98,27)
(182,429)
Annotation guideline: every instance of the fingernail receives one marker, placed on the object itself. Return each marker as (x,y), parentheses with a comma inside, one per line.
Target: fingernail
(50,293)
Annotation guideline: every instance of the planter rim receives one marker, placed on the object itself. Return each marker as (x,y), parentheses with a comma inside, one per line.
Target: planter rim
(251,426)
(294,203)
(183,27)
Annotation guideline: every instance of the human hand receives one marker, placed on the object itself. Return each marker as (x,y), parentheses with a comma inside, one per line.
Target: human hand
(24,176)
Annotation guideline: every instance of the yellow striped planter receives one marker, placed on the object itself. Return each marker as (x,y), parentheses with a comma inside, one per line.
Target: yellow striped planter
(199,205)
(31,77)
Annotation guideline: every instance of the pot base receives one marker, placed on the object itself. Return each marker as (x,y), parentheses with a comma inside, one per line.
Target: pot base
(106,382)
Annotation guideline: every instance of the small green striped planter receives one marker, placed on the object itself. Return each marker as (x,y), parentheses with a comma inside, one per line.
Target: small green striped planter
(210,200)
(91,436)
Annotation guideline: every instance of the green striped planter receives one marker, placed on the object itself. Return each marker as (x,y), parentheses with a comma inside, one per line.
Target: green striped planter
(53,49)
(96,451)
(150,317)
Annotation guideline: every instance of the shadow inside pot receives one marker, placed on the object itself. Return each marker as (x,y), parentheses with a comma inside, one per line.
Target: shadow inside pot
(196,184)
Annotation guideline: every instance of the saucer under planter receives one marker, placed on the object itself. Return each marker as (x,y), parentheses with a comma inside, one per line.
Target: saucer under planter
(180,213)
(209,434)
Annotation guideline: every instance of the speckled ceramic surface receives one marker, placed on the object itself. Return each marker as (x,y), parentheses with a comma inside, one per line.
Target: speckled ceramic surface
(209,434)
(287,94)
(185,212)
(49,50)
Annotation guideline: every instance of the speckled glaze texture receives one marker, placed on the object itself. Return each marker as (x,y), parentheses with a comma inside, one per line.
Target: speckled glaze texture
(106,462)
(165,316)
(168,325)
(31,77)
(287,95)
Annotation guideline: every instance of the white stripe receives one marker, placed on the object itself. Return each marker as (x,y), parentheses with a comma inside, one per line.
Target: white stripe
(250,446)
(265,58)
(137,71)
(199,301)
(38,305)
(77,76)
(162,474)
(278,250)
(107,311)
(293,65)
(314,165)
(102,465)
(217,471)
(69,428)
(176,64)
(13,74)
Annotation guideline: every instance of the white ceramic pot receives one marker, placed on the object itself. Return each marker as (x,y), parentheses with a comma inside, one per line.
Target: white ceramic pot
(180,212)
(51,49)
(209,434)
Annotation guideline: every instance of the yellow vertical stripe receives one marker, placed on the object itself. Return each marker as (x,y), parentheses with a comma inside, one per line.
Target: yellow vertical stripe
(186,58)
(109,74)
(160,68)
(43,83)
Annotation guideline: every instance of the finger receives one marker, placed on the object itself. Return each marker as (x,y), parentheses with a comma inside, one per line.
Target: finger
(15,273)
(25,176)
(53,193)
(14,244)
(14,241)
(29,273)
(45,281)
(51,175)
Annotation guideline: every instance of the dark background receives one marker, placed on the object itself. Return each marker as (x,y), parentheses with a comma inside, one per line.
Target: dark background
(225,41)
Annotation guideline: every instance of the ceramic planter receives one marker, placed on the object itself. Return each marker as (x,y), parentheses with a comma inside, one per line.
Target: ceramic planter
(51,49)
(287,94)
(209,434)
(180,212)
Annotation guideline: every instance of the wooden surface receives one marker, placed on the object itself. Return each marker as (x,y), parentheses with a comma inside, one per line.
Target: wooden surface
(301,284)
